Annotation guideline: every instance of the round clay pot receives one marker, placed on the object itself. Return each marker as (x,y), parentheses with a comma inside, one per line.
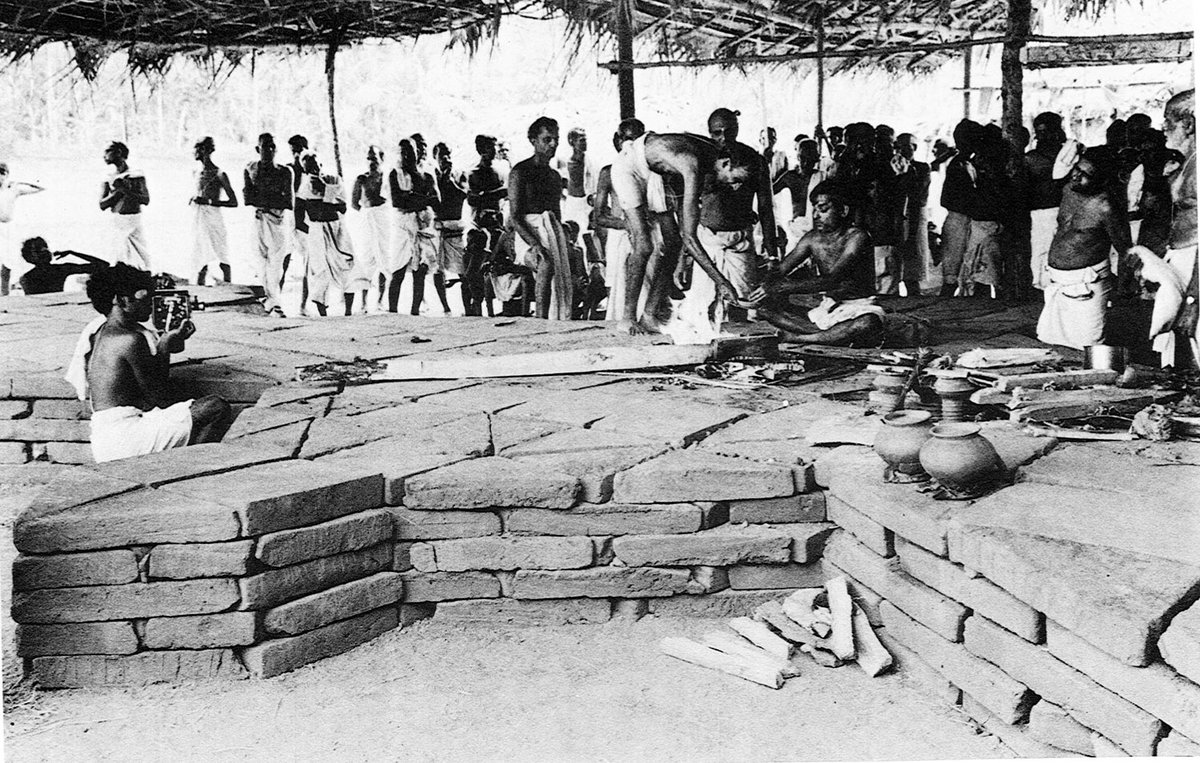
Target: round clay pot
(960,458)
(900,439)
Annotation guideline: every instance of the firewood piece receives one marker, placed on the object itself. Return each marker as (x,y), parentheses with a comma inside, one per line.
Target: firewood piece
(873,658)
(762,637)
(740,647)
(821,629)
(1061,379)
(841,642)
(822,657)
(772,614)
(706,657)
(799,606)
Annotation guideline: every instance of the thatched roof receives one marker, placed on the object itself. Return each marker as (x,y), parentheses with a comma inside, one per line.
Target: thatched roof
(151,31)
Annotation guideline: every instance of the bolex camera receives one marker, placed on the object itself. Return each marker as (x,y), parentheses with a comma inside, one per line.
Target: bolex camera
(172,306)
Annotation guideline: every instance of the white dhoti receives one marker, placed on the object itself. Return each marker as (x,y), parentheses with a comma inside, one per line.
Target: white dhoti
(127,431)
(576,208)
(831,312)
(550,235)
(1073,315)
(616,253)
(329,262)
(1173,273)
(371,240)
(699,315)
(450,246)
(128,242)
(210,242)
(1043,224)
(271,246)
(402,248)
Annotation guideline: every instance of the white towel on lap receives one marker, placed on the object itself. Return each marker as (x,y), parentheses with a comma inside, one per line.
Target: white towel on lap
(127,431)
(831,312)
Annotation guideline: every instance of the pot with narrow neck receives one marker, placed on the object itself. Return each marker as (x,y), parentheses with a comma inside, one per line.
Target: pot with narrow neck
(960,458)
(899,442)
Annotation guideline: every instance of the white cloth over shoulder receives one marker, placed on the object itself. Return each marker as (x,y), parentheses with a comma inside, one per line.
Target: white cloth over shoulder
(1172,274)
(76,374)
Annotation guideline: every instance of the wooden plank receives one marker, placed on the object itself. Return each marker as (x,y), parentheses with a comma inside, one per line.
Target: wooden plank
(1075,379)
(551,363)
(707,657)
(1054,56)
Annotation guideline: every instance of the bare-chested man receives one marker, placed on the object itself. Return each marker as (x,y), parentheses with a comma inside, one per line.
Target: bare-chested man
(838,265)
(579,178)
(123,368)
(268,188)
(1090,223)
(647,161)
(1045,193)
(485,188)
(452,192)
(367,198)
(534,196)
(124,193)
(210,242)
(800,181)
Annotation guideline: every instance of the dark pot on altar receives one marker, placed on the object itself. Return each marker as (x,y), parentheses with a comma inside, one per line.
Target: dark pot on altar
(961,459)
(899,442)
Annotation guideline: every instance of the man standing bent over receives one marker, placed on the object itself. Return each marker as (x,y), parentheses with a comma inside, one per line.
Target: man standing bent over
(268,188)
(122,367)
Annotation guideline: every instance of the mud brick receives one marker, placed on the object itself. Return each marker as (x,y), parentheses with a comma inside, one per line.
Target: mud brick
(84,671)
(1176,745)
(1180,643)
(1013,737)
(395,461)
(758,576)
(274,587)
(596,469)
(933,610)
(200,631)
(423,557)
(805,507)
(68,570)
(74,487)
(333,604)
(45,430)
(1008,699)
(866,530)
(282,655)
(286,494)
(201,560)
(1054,726)
(986,599)
(58,409)
(706,579)
(913,668)
(914,516)
(491,482)
(1087,701)
(719,547)
(724,604)
(1155,688)
(697,475)
(14,409)
(512,553)
(808,539)
(14,452)
(184,463)
(413,613)
(141,517)
(68,453)
(606,519)
(124,602)
(410,524)
(446,586)
(337,536)
(76,638)
(525,613)
(598,582)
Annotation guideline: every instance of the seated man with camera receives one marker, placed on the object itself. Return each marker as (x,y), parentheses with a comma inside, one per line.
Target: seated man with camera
(122,367)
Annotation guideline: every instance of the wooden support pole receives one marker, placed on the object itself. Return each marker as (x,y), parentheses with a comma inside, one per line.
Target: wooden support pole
(624,22)
(1012,72)
(330,71)
(967,83)
(821,67)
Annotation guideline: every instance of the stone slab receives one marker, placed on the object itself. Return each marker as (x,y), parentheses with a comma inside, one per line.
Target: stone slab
(1180,643)
(1087,701)
(14,409)
(578,441)
(45,430)
(282,442)
(85,671)
(720,546)
(508,431)
(183,463)
(76,638)
(697,475)
(678,423)
(525,612)
(510,553)
(55,409)
(63,452)
(67,570)
(394,459)
(200,560)
(606,519)
(596,469)
(274,587)
(349,533)
(447,586)
(1004,696)
(598,582)
(910,665)
(789,576)
(200,631)
(1119,601)
(1015,738)
(124,602)
(338,432)
(410,524)
(257,419)
(789,423)
(333,604)
(864,529)
(805,507)
(1134,469)
(286,494)
(491,482)
(1176,745)
(281,655)
(14,452)
(724,604)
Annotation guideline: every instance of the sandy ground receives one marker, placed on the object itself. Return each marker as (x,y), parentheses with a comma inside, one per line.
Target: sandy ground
(443,692)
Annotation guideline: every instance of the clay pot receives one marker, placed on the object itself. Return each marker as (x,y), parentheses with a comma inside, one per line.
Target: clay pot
(900,439)
(955,392)
(887,384)
(960,458)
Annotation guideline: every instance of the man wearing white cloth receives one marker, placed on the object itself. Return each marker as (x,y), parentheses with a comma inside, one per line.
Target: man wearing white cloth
(210,241)
(535,193)
(124,193)
(268,188)
(122,368)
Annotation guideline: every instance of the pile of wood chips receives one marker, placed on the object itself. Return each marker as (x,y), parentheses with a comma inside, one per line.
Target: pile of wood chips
(823,623)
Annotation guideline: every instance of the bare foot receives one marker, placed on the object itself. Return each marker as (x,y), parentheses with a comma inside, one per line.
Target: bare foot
(645,326)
